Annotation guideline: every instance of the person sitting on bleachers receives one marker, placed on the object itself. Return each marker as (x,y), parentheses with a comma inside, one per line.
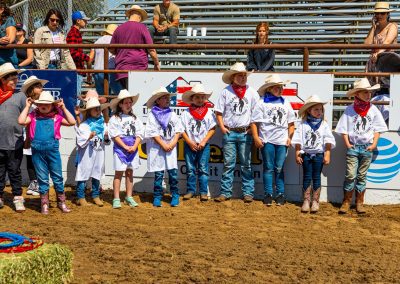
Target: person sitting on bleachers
(261,59)
(166,21)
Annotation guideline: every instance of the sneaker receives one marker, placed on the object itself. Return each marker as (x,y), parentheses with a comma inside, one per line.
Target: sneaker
(116,203)
(1,203)
(248,199)
(19,203)
(280,200)
(268,200)
(33,188)
(203,197)
(188,196)
(131,202)
(221,198)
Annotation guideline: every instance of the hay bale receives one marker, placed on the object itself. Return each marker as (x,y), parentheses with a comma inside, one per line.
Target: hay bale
(50,263)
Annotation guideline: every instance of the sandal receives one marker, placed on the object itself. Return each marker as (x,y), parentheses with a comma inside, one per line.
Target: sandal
(130,201)
(116,203)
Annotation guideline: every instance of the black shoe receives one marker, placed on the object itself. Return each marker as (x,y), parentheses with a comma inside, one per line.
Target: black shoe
(268,200)
(280,200)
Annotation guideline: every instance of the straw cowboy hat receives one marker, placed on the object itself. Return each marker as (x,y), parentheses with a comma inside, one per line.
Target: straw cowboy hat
(381,7)
(271,80)
(238,67)
(137,8)
(8,68)
(32,80)
(92,103)
(311,101)
(197,89)
(93,94)
(110,29)
(45,98)
(362,84)
(123,94)
(162,91)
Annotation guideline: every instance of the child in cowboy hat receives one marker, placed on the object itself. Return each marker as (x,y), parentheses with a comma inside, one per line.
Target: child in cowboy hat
(360,126)
(90,143)
(163,129)
(32,88)
(199,124)
(272,127)
(313,141)
(44,131)
(127,131)
(233,111)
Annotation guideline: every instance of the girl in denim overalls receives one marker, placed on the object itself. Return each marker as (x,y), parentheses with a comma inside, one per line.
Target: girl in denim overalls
(44,131)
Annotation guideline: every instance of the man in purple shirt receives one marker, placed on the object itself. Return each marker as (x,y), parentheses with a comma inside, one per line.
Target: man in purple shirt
(133,32)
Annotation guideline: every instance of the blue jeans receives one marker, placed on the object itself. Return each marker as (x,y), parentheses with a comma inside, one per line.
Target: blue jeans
(197,163)
(80,188)
(114,85)
(358,160)
(240,144)
(172,32)
(312,168)
(273,161)
(173,182)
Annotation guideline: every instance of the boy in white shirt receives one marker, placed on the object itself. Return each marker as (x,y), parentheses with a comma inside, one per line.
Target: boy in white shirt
(233,110)
(360,126)
(199,125)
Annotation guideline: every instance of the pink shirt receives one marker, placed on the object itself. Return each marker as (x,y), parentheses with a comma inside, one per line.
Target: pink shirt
(57,125)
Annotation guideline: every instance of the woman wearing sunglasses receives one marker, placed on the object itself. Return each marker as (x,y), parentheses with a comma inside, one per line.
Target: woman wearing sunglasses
(52,33)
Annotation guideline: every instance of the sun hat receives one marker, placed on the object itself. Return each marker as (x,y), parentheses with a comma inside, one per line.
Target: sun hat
(162,91)
(310,101)
(381,7)
(362,84)
(110,29)
(271,80)
(92,103)
(196,89)
(79,15)
(238,67)
(137,8)
(32,80)
(8,68)
(93,94)
(45,98)
(123,94)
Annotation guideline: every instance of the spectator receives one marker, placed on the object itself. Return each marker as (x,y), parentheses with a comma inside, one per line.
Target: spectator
(166,21)
(74,36)
(25,56)
(133,32)
(7,35)
(261,59)
(98,56)
(51,33)
(11,138)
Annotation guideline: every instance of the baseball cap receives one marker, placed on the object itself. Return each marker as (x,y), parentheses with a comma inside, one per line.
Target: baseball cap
(21,27)
(79,15)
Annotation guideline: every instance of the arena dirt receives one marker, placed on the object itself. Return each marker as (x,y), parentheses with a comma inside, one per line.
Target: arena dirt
(231,242)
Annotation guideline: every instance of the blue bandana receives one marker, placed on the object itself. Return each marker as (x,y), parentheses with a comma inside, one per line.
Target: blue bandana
(97,124)
(314,123)
(268,98)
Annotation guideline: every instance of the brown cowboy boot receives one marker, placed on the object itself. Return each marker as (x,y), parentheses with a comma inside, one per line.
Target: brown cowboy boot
(44,202)
(360,202)
(306,200)
(347,195)
(315,200)
(61,203)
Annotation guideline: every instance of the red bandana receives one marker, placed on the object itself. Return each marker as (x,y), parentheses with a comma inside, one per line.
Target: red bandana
(239,90)
(361,107)
(198,112)
(5,95)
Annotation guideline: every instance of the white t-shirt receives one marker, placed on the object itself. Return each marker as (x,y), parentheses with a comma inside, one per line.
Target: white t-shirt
(236,112)
(55,53)
(273,119)
(197,129)
(361,129)
(157,158)
(311,141)
(99,54)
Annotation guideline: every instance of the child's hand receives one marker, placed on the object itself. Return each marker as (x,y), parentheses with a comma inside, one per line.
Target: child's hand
(327,158)
(258,142)
(299,159)
(132,149)
(349,146)
(166,147)
(92,134)
(61,104)
(288,142)
(201,145)
(193,146)
(77,111)
(29,102)
(224,130)
(371,148)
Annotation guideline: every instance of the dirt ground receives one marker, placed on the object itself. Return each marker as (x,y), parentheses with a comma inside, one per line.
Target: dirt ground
(231,242)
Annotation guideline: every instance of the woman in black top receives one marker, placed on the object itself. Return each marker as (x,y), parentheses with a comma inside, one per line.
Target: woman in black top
(25,56)
(261,59)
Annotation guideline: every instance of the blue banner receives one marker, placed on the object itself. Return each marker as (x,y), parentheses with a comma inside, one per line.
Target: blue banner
(62,85)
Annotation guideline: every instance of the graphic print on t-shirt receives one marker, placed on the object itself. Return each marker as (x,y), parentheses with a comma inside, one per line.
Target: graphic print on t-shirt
(313,140)
(239,106)
(95,142)
(277,115)
(128,128)
(195,127)
(168,131)
(361,124)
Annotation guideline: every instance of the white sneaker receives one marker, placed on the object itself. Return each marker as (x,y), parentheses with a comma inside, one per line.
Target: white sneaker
(19,203)
(33,188)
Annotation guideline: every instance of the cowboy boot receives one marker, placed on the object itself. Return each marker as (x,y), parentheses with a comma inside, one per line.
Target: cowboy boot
(175,196)
(360,202)
(347,195)
(61,203)
(306,200)
(158,194)
(44,203)
(315,200)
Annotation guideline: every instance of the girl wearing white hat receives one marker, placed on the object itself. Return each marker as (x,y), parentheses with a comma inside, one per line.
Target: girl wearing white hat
(44,131)
(163,129)
(360,126)
(127,132)
(313,141)
(90,150)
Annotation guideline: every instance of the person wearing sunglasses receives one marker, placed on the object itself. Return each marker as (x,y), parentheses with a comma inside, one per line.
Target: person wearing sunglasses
(52,33)
(7,35)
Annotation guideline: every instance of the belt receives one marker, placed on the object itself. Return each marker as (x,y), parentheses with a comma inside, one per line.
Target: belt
(238,129)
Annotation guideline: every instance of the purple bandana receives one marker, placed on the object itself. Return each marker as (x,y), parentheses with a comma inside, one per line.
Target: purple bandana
(162,115)
(122,154)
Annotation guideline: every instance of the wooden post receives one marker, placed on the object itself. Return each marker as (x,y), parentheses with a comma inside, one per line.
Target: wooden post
(106,82)
(306,57)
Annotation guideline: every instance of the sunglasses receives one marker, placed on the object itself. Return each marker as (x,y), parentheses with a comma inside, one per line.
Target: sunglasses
(54,20)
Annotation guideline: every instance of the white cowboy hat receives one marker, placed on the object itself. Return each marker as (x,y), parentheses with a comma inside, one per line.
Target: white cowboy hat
(110,29)
(31,81)
(162,91)
(381,7)
(196,89)
(137,8)
(362,84)
(310,101)
(123,94)
(92,103)
(238,67)
(8,68)
(271,80)
(45,98)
